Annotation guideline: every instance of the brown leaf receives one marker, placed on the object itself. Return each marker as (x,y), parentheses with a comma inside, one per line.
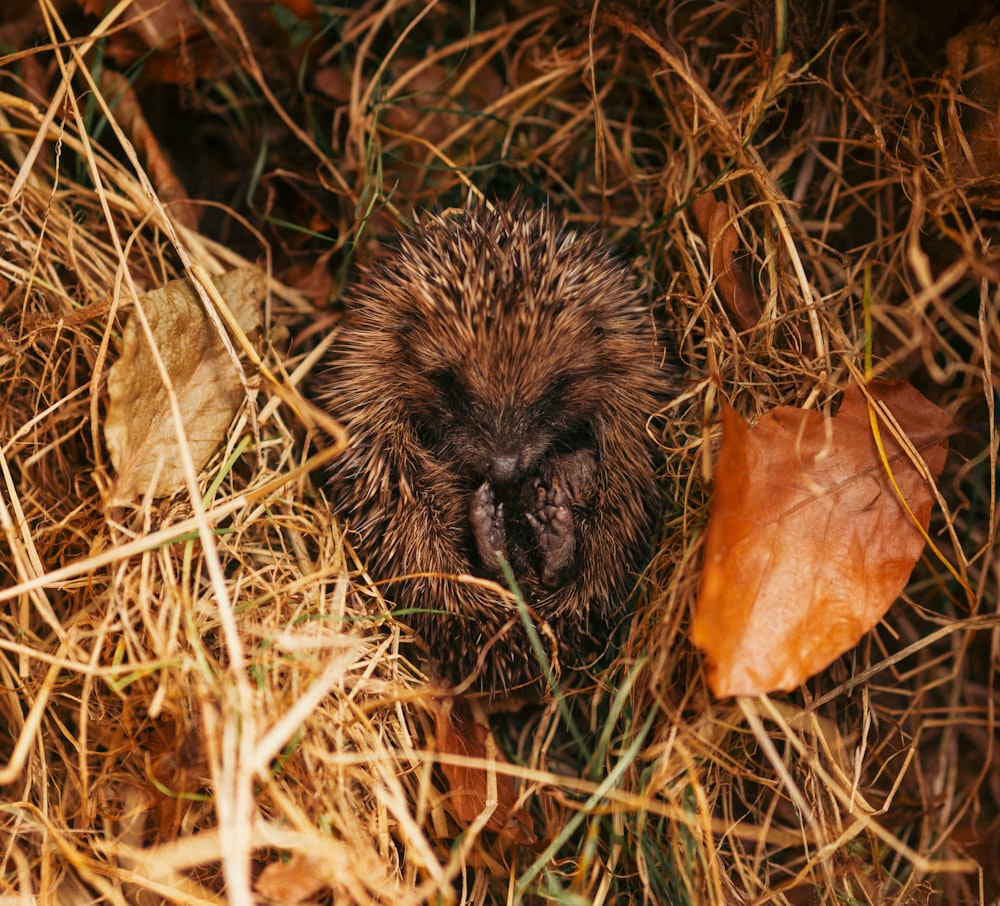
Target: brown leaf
(462,736)
(139,428)
(974,65)
(715,222)
(981,841)
(160,24)
(159,29)
(808,544)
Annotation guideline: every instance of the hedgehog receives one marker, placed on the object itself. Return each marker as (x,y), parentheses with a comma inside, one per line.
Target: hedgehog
(497,371)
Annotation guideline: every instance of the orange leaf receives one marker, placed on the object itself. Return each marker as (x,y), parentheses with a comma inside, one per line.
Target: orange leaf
(808,544)
(469,783)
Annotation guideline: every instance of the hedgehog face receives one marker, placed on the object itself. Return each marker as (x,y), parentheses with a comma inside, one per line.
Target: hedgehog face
(493,418)
(506,342)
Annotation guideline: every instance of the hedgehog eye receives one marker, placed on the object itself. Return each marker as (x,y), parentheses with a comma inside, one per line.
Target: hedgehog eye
(432,414)
(577,436)
(428,433)
(453,393)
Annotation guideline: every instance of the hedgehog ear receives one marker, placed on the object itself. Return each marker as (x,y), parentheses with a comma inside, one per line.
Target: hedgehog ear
(403,330)
(402,335)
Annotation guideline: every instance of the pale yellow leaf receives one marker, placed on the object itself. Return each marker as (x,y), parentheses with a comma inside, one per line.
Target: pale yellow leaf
(139,429)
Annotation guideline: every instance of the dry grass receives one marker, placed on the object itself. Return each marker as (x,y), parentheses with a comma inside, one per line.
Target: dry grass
(195,688)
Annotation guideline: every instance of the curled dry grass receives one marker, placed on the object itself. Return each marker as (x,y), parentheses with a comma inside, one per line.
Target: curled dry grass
(199,687)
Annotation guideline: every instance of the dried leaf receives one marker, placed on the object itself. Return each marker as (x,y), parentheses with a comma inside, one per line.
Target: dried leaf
(469,784)
(128,110)
(715,221)
(981,841)
(974,66)
(294,881)
(808,544)
(158,24)
(164,28)
(139,429)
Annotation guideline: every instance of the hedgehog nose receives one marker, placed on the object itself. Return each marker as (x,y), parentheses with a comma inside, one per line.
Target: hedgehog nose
(503,467)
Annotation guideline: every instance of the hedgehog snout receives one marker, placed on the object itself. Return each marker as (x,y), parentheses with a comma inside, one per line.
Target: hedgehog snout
(504,467)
